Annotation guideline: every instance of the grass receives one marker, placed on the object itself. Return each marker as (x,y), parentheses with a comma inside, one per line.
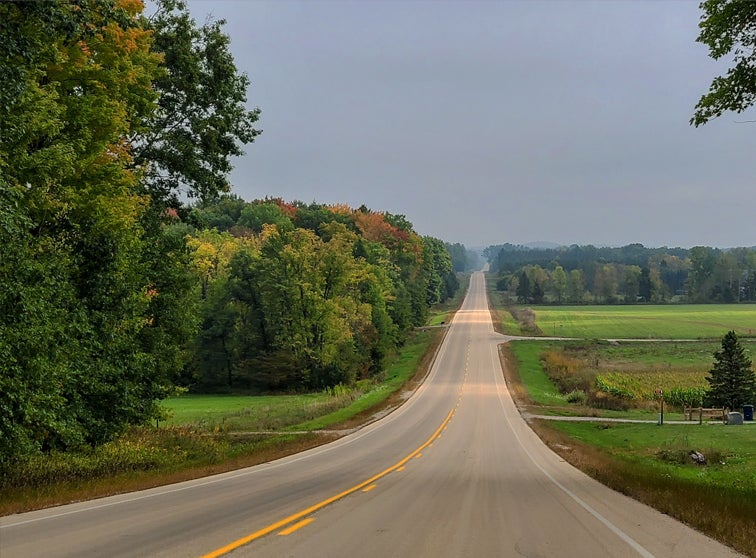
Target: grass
(691,321)
(234,413)
(540,389)
(415,355)
(501,317)
(207,435)
(645,461)
(652,465)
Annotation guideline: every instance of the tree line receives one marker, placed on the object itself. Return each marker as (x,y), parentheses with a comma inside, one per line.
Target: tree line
(296,296)
(628,274)
(113,290)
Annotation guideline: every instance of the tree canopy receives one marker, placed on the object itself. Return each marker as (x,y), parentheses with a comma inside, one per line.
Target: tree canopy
(302,296)
(96,290)
(200,121)
(728,27)
(114,291)
(628,274)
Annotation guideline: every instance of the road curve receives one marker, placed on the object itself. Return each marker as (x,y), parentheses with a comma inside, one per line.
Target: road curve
(454,472)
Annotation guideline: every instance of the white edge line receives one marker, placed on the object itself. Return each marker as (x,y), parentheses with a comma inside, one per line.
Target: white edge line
(611,526)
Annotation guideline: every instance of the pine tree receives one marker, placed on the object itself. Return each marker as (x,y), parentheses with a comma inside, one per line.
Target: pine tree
(732,380)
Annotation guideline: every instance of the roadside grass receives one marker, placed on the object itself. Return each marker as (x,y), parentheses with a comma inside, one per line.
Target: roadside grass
(415,356)
(540,389)
(235,413)
(647,462)
(652,464)
(689,321)
(502,319)
(210,434)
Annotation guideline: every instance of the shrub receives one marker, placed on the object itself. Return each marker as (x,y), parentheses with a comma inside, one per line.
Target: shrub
(577,396)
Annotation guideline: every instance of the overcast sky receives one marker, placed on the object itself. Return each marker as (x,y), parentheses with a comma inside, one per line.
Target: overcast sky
(492,122)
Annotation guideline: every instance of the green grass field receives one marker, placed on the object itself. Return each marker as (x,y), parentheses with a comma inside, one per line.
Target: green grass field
(310,411)
(690,321)
(537,384)
(648,462)
(252,413)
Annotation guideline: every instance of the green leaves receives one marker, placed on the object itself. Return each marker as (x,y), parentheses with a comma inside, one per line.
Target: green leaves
(201,118)
(732,381)
(728,27)
(85,326)
(296,298)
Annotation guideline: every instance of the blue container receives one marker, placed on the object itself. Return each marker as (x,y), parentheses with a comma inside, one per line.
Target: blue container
(747,412)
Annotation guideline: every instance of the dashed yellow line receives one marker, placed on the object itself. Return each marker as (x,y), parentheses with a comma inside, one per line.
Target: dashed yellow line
(308,511)
(296,526)
(369,488)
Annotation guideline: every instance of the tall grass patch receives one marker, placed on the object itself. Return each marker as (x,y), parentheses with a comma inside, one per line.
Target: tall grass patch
(627,375)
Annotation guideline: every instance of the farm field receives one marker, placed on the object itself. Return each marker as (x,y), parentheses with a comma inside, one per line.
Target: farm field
(246,412)
(648,462)
(309,411)
(566,376)
(689,321)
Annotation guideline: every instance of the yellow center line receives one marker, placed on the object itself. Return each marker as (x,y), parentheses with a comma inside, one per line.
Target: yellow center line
(299,515)
(369,488)
(296,526)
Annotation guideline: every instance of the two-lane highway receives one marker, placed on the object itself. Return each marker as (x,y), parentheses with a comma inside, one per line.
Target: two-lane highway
(454,472)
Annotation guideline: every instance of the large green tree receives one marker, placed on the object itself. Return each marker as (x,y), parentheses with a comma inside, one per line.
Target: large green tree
(75,299)
(732,382)
(201,120)
(728,28)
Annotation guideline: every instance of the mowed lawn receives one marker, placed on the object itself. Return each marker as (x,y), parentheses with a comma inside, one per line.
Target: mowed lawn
(689,321)
(240,412)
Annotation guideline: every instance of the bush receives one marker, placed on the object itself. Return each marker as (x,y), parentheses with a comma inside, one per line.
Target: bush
(603,400)
(577,396)
(140,449)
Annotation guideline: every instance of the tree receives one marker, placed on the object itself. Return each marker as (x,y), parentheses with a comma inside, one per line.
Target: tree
(575,287)
(728,27)
(438,265)
(523,290)
(77,298)
(732,382)
(645,285)
(631,282)
(558,283)
(201,118)
(700,283)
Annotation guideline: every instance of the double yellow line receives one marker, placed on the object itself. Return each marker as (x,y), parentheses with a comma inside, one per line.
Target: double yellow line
(299,515)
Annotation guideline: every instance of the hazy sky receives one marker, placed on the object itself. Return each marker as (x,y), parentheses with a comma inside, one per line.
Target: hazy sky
(498,121)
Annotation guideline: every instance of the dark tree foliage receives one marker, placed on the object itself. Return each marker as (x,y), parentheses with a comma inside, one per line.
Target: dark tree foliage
(732,382)
(75,294)
(728,27)
(97,292)
(309,296)
(201,119)
(524,291)
(633,273)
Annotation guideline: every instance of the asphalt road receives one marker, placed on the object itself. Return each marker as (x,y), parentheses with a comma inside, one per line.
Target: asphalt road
(454,472)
